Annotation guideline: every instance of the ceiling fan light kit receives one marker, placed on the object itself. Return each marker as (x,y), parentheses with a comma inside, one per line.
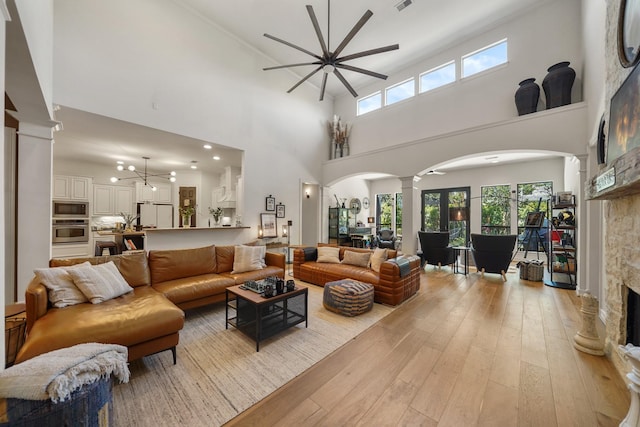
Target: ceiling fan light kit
(171,176)
(331,62)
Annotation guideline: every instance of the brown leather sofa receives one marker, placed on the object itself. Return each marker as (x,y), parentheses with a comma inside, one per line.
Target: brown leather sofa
(147,320)
(398,279)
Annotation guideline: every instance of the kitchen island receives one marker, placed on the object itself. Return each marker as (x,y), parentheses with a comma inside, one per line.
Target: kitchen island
(126,240)
(193,237)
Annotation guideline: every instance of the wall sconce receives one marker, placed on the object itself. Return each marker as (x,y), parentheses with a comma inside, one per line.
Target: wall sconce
(259,232)
(285,231)
(371,220)
(307,193)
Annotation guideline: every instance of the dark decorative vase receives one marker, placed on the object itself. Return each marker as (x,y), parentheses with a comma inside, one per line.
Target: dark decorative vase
(527,97)
(558,83)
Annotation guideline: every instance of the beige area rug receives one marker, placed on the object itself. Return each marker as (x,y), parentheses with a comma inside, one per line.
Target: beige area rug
(219,374)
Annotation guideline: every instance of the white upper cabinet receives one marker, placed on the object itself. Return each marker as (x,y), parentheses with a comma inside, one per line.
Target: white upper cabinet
(163,193)
(112,200)
(70,187)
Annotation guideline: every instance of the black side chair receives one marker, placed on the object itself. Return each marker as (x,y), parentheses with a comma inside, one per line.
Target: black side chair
(493,254)
(386,239)
(436,249)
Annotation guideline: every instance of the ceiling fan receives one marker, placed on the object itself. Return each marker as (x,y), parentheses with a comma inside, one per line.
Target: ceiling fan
(331,62)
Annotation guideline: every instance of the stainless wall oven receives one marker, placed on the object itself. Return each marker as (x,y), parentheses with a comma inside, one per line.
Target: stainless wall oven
(70,209)
(70,230)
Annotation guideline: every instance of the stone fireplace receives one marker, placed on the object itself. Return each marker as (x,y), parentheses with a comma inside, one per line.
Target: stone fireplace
(622,258)
(622,222)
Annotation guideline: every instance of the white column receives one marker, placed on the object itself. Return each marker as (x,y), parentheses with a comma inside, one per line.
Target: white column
(584,222)
(410,214)
(34,201)
(5,15)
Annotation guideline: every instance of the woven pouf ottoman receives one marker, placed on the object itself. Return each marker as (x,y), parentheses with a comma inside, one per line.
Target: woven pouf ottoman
(348,297)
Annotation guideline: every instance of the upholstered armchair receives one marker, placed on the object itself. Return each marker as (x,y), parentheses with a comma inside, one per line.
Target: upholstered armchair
(386,239)
(435,248)
(493,254)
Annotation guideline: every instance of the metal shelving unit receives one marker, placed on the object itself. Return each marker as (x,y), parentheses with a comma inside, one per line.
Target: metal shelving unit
(562,254)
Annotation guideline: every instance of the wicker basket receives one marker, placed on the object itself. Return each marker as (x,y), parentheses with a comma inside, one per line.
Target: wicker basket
(524,269)
(14,332)
(535,271)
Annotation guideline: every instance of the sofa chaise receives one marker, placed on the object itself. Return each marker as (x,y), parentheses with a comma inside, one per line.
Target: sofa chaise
(147,319)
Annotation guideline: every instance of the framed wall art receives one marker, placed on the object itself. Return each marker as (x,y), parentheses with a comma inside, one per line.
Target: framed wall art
(280,210)
(624,118)
(268,224)
(270,203)
(629,33)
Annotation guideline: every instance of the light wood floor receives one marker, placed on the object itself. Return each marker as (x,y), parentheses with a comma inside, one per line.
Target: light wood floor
(463,352)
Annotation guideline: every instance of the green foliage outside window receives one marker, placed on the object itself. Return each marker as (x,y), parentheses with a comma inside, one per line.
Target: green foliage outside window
(496,209)
(385,206)
(532,197)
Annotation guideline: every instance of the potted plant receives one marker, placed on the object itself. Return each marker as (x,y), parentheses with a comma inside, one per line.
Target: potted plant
(128,219)
(186,213)
(216,214)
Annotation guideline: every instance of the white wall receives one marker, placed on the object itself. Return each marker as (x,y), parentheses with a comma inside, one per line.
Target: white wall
(537,39)
(118,58)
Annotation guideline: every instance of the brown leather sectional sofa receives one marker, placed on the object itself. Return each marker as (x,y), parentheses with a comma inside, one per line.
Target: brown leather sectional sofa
(396,281)
(147,320)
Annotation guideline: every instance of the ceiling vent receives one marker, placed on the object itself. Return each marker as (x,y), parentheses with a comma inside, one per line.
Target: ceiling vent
(403,4)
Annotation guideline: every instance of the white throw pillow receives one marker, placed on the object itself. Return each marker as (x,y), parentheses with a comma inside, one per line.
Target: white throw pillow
(61,289)
(329,254)
(101,282)
(379,256)
(248,258)
(360,259)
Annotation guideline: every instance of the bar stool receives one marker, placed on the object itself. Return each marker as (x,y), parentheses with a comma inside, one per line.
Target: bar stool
(101,245)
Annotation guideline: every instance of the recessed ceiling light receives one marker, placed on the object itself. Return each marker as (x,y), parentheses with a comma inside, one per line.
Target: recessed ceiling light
(207,147)
(216,157)
(120,162)
(193,164)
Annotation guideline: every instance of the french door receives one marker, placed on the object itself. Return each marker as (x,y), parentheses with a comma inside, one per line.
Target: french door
(447,209)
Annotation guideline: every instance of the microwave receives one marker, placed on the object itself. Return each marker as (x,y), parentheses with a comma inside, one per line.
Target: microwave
(70,209)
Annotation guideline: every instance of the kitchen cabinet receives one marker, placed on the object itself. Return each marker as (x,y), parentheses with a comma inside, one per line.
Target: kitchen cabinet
(112,199)
(70,187)
(66,250)
(163,193)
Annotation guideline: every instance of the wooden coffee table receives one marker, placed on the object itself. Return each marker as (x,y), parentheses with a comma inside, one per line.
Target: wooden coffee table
(259,317)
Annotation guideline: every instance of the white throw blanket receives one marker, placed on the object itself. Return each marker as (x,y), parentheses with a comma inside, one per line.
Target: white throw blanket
(55,375)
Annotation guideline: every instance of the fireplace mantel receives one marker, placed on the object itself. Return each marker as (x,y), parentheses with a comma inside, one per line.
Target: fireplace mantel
(626,170)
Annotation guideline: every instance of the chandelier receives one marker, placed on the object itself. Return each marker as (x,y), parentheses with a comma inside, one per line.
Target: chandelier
(171,176)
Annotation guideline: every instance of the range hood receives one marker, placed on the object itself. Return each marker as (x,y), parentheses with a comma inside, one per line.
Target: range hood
(226,193)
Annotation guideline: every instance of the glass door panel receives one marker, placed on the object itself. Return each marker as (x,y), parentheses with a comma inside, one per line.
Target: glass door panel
(447,210)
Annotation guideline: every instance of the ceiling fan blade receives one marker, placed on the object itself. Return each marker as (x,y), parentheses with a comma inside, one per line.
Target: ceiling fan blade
(369,52)
(277,67)
(305,79)
(368,14)
(345,82)
(323,87)
(362,70)
(316,27)
(301,49)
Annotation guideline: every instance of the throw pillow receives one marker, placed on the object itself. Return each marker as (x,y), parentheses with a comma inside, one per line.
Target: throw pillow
(361,259)
(248,258)
(61,289)
(329,254)
(100,283)
(379,256)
